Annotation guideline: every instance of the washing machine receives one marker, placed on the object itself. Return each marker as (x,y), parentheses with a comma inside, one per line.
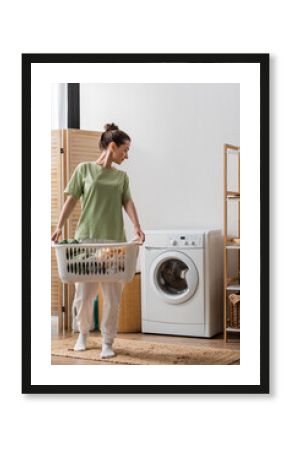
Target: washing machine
(182,282)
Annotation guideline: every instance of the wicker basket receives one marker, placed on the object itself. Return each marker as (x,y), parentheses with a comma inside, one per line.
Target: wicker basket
(234,310)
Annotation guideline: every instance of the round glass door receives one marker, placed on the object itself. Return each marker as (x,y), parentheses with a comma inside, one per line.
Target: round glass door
(170,276)
(175,277)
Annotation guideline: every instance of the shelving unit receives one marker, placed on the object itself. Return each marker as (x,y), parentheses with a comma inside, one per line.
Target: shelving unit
(231,248)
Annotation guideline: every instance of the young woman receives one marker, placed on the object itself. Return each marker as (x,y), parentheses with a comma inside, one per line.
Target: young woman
(104,191)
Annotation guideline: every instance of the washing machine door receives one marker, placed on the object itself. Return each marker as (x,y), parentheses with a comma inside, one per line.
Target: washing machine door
(174,277)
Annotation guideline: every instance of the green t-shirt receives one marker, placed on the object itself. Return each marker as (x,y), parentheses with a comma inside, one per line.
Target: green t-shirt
(102,192)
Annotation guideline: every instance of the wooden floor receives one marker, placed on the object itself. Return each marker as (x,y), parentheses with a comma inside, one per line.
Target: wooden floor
(215,342)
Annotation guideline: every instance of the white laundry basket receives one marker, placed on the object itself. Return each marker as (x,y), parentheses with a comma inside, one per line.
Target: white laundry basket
(97,261)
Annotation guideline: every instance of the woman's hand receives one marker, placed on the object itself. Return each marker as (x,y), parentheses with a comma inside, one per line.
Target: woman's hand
(56,235)
(64,215)
(139,233)
(132,213)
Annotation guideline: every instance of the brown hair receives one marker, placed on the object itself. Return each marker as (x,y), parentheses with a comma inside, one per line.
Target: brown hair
(113,134)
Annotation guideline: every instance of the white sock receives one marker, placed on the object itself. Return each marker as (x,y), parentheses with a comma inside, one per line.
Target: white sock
(107,351)
(81,342)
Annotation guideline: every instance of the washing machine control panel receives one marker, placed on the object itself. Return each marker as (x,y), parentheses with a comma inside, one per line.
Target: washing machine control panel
(186,240)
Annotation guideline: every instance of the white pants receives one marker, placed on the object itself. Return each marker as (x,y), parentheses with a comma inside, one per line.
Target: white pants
(85,293)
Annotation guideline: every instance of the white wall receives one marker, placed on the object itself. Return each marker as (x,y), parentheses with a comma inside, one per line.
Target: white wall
(175,162)
(59,105)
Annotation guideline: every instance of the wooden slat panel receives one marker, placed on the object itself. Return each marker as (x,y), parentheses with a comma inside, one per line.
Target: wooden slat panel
(55,210)
(55,175)
(54,282)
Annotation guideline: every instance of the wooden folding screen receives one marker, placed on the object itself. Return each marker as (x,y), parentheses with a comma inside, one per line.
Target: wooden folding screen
(69,147)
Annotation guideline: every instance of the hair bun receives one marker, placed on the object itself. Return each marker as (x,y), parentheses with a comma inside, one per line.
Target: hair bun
(111,127)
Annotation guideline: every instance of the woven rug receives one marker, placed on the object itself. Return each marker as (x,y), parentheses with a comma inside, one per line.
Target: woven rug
(135,352)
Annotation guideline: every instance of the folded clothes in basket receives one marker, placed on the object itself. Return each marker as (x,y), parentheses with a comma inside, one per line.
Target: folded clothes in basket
(78,254)
(92,261)
(68,241)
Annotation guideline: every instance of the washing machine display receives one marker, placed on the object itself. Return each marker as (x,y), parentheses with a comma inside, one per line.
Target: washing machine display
(175,277)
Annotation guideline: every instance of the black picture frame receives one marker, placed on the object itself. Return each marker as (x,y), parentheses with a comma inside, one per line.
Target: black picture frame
(248,58)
